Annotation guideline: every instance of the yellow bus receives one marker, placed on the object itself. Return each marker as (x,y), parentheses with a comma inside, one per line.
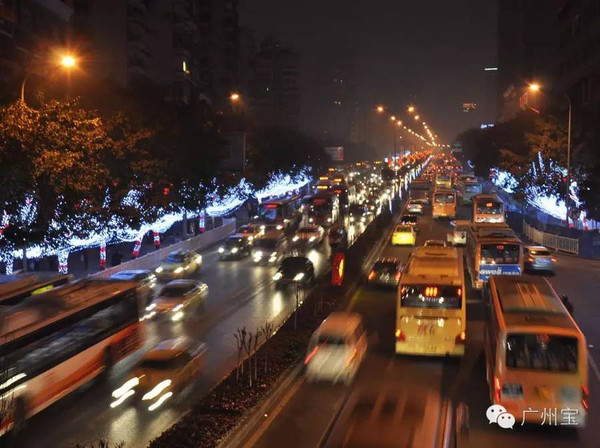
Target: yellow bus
(492,249)
(488,208)
(431,309)
(444,203)
(536,355)
(443,181)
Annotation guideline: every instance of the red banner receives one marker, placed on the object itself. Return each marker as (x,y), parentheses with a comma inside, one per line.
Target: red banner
(337,270)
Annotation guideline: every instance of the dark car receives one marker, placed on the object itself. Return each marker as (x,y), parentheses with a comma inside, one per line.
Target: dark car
(235,246)
(385,272)
(338,237)
(145,279)
(358,213)
(298,270)
(410,220)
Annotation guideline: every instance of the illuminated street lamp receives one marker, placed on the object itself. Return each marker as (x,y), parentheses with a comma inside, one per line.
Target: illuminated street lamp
(235,97)
(393,118)
(66,61)
(399,123)
(417,117)
(380,109)
(535,87)
(410,109)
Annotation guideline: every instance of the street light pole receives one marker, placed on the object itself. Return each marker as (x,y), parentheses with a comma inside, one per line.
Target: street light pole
(23,87)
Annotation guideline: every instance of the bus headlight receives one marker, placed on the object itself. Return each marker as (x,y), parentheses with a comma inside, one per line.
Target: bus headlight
(279,227)
(159,269)
(179,270)
(311,239)
(221,250)
(277,276)
(234,250)
(296,238)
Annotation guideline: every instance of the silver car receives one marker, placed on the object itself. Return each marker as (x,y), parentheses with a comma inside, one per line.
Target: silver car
(145,279)
(177,298)
(538,258)
(414,207)
(178,264)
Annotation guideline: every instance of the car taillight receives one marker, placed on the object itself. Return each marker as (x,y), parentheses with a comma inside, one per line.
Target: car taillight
(460,338)
(400,335)
(497,389)
(585,392)
(398,277)
(310,356)
(372,275)
(351,358)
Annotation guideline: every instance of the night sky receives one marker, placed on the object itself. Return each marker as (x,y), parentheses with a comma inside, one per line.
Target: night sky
(430,52)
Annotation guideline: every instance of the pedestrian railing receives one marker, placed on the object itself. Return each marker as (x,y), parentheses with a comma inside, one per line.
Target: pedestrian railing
(152,259)
(557,242)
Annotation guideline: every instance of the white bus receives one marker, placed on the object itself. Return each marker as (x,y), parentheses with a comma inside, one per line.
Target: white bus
(55,342)
(444,203)
(16,288)
(431,309)
(488,208)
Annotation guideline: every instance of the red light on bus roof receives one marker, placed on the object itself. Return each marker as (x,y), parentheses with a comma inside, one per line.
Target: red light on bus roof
(431,291)
(271,205)
(500,247)
(489,204)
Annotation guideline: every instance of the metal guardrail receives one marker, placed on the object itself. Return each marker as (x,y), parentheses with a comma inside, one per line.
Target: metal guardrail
(557,242)
(152,259)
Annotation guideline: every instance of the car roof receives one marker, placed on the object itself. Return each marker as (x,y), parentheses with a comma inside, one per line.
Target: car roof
(536,248)
(341,323)
(183,282)
(131,272)
(179,252)
(166,349)
(236,236)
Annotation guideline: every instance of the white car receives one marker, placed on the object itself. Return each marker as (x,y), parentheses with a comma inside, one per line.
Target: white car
(414,207)
(435,243)
(336,349)
(458,236)
(177,298)
(178,264)
(309,236)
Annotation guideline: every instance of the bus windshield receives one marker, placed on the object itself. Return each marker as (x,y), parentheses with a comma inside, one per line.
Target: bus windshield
(471,188)
(268,212)
(541,352)
(500,253)
(492,208)
(431,296)
(444,198)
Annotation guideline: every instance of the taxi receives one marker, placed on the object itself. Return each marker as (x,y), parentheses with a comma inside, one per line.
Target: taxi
(404,235)
(163,371)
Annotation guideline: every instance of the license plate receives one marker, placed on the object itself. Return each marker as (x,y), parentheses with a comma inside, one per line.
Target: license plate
(425,329)
(543,260)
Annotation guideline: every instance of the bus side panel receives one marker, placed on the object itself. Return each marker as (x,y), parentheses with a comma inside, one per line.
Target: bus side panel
(59,381)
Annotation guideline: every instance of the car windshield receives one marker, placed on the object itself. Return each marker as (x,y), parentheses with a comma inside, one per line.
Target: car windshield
(385,267)
(175,290)
(308,230)
(500,253)
(266,243)
(356,210)
(247,229)
(410,219)
(233,242)
(294,264)
(158,364)
(541,352)
(415,203)
(403,229)
(540,252)
(331,339)
(430,296)
(178,257)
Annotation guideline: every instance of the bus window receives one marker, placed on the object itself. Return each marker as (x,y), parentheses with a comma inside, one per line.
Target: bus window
(426,296)
(541,352)
(489,207)
(500,253)
(444,198)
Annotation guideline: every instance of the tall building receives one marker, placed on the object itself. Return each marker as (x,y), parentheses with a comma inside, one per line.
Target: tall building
(579,67)
(189,48)
(277,88)
(29,31)
(527,49)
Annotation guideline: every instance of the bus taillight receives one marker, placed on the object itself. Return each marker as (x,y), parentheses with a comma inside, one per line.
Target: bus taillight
(400,335)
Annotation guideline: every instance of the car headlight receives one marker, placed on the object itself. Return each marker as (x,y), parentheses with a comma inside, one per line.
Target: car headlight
(177,316)
(277,276)
(311,239)
(156,391)
(234,250)
(159,269)
(363,219)
(296,238)
(198,259)
(311,220)
(328,219)
(258,254)
(177,308)
(221,250)
(179,270)
(351,218)
(279,227)
(299,277)
(151,306)
(263,227)
(273,254)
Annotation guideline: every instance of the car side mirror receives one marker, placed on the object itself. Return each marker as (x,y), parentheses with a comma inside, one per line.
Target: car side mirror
(567,303)
(452,223)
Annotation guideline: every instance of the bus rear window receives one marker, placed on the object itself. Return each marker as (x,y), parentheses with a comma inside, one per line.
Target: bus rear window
(431,296)
(541,352)
(500,253)
(444,198)
(492,208)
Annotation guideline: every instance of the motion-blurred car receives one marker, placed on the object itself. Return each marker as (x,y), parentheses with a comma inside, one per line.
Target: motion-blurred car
(435,243)
(385,272)
(338,237)
(404,235)
(358,213)
(177,298)
(309,236)
(299,270)
(538,258)
(178,264)
(414,207)
(162,372)
(336,349)
(269,249)
(145,279)
(410,220)
(250,231)
(235,246)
